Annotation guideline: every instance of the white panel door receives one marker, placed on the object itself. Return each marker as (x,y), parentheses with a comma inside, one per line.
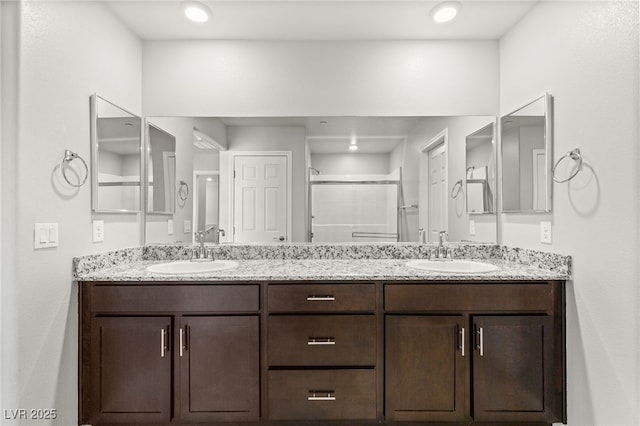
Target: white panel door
(260,199)
(437,191)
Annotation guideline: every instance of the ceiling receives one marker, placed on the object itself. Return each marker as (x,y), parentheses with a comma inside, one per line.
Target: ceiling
(320,20)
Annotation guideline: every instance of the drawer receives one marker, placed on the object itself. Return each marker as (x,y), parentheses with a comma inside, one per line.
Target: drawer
(321,298)
(468,297)
(175,297)
(317,340)
(322,395)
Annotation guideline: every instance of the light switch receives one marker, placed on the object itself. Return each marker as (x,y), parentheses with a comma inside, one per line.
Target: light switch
(170,227)
(545,232)
(187,226)
(45,235)
(98,231)
(472,227)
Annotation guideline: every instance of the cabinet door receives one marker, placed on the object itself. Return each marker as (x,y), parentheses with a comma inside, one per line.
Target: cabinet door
(424,375)
(219,368)
(513,368)
(130,370)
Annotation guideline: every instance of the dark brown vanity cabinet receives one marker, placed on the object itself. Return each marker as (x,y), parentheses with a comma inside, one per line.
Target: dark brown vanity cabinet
(159,354)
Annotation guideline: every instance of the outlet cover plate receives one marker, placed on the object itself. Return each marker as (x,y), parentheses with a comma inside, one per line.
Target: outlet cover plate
(98,231)
(545,232)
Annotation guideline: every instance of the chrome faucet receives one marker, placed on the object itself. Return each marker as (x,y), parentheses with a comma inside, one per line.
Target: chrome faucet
(201,254)
(442,252)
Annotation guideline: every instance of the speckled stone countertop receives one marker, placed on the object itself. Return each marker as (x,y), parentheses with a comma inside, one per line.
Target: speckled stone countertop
(307,262)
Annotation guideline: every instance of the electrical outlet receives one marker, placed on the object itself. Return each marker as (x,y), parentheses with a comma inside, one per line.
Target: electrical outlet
(98,231)
(170,227)
(545,232)
(187,226)
(45,235)
(472,227)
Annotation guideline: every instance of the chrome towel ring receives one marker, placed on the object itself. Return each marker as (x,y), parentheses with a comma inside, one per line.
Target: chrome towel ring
(69,156)
(457,189)
(575,156)
(183,191)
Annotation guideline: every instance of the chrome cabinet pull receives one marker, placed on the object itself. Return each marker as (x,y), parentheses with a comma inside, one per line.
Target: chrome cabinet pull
(481,340)
(462,340)
(321,298)
(163,338)
(320,341)
(181,340)
(321,395)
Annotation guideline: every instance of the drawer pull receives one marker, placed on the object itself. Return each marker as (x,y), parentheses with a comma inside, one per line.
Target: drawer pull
(321,298)
(321,395)
(320,341)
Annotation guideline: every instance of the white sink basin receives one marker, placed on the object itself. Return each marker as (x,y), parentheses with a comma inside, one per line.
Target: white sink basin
(456,266)
(188,267)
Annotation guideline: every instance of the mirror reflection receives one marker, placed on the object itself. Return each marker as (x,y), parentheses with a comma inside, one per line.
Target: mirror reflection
(320,179)
(161,171)
(116,146)
(526,158)
(481,170)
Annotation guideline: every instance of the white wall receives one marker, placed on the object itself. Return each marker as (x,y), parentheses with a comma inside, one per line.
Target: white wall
(280,78)
(586,55)
(269,138)
(62,60)
(354,164)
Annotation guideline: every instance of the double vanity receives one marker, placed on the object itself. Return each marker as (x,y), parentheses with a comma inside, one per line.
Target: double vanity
(322,334)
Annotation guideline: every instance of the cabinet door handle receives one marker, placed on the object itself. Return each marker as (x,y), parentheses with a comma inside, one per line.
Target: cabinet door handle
(319,341)
(181,340)
(322,298)
(321,395)
(163,338)
(481,340)
(462,340)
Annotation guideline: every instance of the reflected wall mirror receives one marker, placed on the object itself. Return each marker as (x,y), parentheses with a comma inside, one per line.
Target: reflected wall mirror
(371,193)
(161,171)
(481,171)
(527,150)
(116,145)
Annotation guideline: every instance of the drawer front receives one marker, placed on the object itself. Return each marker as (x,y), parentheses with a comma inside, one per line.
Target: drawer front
(321,298)
(468,297)
(175,297)
(316,340)
(322,395)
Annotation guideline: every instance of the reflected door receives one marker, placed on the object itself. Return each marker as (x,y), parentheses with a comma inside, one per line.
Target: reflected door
(260,199)
(437,191)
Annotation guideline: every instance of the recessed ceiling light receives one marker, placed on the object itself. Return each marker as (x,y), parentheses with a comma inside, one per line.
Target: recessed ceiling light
(445,12)
(323,122)
(196,11)
(353,147)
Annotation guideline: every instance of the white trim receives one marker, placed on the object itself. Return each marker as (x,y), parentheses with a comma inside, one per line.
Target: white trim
(230,163)
(423,173)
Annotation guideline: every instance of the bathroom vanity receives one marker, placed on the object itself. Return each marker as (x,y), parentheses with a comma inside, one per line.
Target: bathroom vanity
(322,341)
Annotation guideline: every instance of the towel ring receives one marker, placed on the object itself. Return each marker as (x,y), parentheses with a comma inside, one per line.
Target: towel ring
(575,156)
(183,191)
(69,156)
(457,188)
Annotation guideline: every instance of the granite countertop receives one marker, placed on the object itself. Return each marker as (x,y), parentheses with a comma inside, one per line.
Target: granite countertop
(321,270)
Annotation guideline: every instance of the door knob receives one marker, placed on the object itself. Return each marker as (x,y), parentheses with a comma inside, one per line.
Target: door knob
(280,238)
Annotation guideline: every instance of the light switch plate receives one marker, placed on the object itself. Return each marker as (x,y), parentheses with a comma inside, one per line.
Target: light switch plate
(545,232)
(98,231)
(187,226)
(170,227)
(472,227)
(45,235)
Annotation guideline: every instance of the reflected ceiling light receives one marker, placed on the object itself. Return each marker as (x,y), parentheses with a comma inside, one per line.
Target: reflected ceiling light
(196,11)
(445,12)
(353,147)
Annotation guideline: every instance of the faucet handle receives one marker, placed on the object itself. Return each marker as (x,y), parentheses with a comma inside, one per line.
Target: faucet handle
(450,253)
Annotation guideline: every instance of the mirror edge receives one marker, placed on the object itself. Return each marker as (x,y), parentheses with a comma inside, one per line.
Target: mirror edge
(93,111)
(548,146)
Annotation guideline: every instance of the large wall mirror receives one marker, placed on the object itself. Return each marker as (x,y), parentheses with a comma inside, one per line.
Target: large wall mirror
(350,179)
(527,149)
(116,145)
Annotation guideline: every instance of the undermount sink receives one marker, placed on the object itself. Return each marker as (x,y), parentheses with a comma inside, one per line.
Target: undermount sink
(458,266)
(189,267)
